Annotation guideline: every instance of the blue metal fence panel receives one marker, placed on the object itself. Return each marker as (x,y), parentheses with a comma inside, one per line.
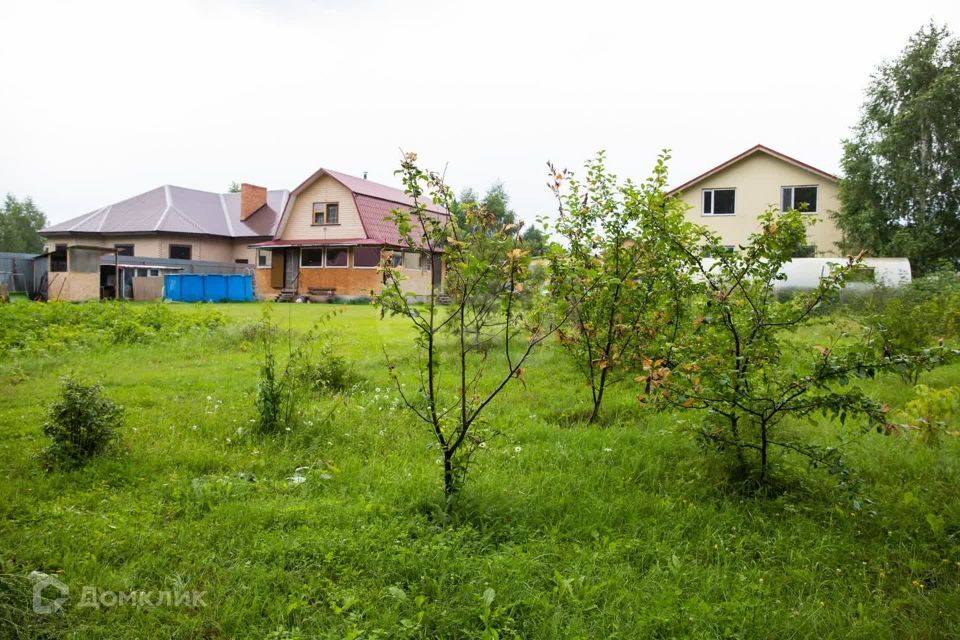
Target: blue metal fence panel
(240,288)
(214,288)
(189,287)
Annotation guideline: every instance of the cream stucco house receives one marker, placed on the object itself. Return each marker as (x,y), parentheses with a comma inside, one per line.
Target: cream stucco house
(729,197)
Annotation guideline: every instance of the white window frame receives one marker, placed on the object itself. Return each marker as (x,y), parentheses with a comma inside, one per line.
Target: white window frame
(326,263)
(713,201)
(323,258)
(793,194)
(269,254)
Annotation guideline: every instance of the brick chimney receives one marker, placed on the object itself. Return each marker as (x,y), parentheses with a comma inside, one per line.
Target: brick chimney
(252,198)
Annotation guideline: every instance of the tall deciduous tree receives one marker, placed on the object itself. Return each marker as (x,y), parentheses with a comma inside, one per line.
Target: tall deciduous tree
(535,240)
(20,224)
(901,191)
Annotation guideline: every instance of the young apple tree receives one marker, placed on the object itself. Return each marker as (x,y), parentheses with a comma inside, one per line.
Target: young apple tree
(636,284)
(453,382)
(744,361)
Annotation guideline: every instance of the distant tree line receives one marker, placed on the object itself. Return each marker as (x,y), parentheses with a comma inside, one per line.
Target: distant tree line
(900,194)
(20,224)
(496,201)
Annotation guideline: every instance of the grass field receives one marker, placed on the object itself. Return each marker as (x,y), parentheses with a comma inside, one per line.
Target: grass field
(622,530)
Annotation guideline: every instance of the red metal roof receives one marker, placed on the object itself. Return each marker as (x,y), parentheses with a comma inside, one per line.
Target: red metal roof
(373,214)
(326,242)
(362,186)
(749,152)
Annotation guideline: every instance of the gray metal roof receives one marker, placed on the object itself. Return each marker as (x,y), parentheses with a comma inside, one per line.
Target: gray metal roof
(170,209)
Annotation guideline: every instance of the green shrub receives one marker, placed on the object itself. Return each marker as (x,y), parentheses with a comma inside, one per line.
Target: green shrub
(83,423)
(915,318)
(932,413)
(312,363)
(277,392)
(329,370)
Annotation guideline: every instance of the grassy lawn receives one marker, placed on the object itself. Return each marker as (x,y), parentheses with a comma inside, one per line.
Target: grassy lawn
(622,530)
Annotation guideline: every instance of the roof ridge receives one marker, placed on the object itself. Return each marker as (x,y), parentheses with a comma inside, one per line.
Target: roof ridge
(226,214)
(745,154)
(103,218)
(83,218)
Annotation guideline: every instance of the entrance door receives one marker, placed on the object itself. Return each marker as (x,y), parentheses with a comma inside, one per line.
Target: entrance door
(276,268)
(291,268)
(436,263)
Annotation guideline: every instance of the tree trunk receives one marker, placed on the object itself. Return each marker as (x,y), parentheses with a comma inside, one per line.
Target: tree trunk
(763,452)
(449,486)
(598,396)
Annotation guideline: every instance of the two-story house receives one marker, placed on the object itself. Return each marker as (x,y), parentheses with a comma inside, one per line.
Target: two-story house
(332,236)
(729,197)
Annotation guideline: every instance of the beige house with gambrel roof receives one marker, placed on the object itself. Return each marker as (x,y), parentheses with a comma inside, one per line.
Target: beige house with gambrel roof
(333,234)
(729,197)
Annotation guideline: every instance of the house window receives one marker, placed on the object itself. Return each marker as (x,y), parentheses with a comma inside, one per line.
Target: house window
(396,259)
(424,262)
(311,257)
(124,249)
(264,257)
(153,273)
(84,260)
(326,213)
(181,251)
(719,202)
(338,258)
(58,259)
(799,198)
(366,257)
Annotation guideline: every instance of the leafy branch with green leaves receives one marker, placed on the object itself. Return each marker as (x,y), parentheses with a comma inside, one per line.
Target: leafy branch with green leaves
(454,382)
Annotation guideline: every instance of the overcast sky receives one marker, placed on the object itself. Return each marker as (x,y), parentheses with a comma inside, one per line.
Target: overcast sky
(104,100)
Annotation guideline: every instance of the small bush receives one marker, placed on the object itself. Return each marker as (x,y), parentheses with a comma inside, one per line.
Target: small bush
(328,370)
(83,423)
(277,391)
(932,413)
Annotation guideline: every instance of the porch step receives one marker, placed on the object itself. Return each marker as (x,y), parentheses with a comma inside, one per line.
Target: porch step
(286,295)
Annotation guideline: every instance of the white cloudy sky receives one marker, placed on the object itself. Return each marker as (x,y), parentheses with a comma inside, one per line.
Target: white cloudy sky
(103,100)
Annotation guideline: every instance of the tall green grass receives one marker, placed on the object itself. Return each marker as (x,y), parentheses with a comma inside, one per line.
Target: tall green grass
(627,529)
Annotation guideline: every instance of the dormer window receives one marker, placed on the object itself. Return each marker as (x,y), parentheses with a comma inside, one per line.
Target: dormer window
(799,198)
(326,213)
(719,202)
